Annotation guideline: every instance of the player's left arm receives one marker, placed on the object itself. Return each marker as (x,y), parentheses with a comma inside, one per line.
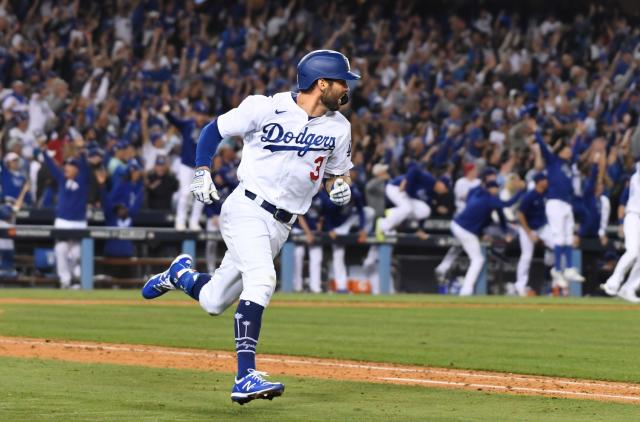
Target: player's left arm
(336,173)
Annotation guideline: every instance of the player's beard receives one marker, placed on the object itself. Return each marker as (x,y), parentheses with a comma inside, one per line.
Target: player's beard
(330,101)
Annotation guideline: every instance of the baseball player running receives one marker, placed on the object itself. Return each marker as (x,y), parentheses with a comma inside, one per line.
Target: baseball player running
(293,142)
(558,208)
(631,245)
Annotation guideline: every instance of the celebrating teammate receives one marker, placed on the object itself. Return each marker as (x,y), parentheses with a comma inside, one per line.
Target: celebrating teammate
(403,192)
(533,228)
(468,226)
(558,207)
(291,141)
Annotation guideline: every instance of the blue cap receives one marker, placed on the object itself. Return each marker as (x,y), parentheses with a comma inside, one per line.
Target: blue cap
(487,171)
(121,145)
(539,176)
(96,152)
(161,160)
(134,165)
(199,107)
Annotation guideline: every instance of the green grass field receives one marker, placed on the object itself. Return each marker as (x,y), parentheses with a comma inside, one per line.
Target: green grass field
(587,338)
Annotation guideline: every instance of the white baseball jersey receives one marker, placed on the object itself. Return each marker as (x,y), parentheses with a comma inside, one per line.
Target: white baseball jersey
(633,204)
(285,153)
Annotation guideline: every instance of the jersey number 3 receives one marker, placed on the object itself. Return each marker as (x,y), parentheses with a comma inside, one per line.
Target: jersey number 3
(315,174)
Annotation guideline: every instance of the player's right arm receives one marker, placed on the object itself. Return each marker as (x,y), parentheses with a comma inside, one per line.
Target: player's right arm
(236,122)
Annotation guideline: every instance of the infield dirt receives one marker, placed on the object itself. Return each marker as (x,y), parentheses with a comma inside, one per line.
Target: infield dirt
(222,361)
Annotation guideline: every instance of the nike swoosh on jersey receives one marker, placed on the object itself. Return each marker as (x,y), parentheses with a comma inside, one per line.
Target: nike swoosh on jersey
(280,111)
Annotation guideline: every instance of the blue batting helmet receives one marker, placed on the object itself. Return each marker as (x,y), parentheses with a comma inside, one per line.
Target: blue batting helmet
(327,64)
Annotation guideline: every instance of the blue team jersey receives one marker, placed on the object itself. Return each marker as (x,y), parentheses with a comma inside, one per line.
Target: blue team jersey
(624,197)
(558,173)
(532,206)
(592,207)
(476,215)
(73,194)
(419,180)
(190,133)
(12,184)
(129,194)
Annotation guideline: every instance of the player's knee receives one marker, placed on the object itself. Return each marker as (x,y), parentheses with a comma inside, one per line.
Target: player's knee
(259,290)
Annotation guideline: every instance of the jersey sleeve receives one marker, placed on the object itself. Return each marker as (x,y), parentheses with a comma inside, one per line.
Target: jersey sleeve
(339,161)
(525,204)
(243,119)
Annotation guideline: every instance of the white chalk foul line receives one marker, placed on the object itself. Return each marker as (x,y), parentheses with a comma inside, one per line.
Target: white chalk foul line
(502,387)
(316,362)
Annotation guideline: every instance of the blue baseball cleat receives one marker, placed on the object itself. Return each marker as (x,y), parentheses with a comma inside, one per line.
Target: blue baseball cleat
(253,386)
(161,283)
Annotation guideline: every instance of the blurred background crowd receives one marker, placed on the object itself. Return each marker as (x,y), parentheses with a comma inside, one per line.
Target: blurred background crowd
(122,89)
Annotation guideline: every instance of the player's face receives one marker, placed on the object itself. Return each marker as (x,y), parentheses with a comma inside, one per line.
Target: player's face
(70,171)
(333,91)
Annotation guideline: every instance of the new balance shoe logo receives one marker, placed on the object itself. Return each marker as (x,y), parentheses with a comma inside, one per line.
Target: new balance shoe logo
(249,385)
(280,111)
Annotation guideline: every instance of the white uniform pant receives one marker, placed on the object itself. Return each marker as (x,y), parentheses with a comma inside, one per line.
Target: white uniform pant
(253,238)
(631,226)
(405,208)
(67,252)
(560,218)
(450,257)
(211,247)
(370,268)
(526,253)
(339,266)
(471,245)
(185,176)
(315,267)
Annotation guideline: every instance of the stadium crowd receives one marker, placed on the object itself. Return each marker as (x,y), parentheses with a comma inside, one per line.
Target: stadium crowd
(118,91)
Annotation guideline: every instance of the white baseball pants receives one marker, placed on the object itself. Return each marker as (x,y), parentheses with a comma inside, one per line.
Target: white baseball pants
(405,208)
(471,245)
(631,227)
(211,247)
(253,238)
(450,257)
(560,218)
(185,176)
(67,252)
(526,253)
(315,267)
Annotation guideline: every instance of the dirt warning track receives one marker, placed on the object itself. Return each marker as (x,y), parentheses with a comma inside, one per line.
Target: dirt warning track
(338,370)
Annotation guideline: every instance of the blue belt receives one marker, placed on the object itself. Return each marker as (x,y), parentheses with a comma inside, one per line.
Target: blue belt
(277,213)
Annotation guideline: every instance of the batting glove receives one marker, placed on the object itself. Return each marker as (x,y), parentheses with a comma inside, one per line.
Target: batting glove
(202,187)
(341,192)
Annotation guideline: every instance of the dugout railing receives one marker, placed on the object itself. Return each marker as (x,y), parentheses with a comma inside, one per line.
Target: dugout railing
(189,239)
